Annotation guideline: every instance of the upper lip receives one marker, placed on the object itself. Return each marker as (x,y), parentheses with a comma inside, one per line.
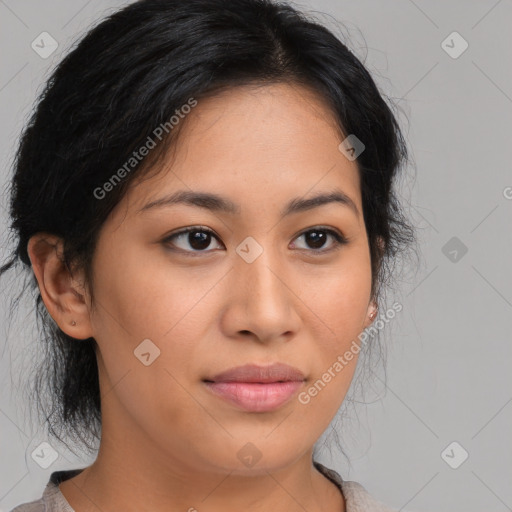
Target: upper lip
(278,372)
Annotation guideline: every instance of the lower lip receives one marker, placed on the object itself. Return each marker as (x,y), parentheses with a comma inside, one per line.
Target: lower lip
(255,397)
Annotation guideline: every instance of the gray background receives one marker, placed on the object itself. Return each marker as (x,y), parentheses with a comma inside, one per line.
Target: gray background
(448,368)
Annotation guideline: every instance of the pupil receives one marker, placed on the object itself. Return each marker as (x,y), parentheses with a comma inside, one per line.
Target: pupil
(200,240)
(316,238)
(197,240)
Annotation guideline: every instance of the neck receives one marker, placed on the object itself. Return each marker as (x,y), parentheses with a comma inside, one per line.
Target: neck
(134,481)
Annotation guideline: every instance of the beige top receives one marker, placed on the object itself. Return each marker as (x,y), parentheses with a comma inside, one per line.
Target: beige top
(356,497)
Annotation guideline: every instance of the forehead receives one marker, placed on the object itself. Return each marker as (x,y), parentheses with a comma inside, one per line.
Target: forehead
(267,115)
(272,140)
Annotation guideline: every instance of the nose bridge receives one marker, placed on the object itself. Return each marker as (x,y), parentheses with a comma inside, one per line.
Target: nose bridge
(261,279)
(267,303)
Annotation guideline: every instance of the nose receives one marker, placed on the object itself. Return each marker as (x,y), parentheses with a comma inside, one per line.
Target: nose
(262,303)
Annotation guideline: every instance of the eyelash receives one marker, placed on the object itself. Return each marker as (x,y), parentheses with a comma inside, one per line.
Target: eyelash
(339,239)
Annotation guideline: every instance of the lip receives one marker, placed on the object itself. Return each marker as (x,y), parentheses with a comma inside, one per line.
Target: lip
(257,388)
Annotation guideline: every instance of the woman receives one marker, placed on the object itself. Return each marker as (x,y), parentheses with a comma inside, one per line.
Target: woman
(205,199)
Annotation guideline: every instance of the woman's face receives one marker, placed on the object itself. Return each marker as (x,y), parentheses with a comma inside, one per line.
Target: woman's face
(266,286)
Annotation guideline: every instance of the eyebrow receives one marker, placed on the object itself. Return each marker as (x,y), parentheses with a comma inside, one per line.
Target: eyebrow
(216,203)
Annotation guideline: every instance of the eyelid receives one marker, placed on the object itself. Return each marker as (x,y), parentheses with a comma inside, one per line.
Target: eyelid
(339,237)
(184,231)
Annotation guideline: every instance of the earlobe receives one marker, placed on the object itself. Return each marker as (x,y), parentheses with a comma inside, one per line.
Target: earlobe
(60,292)
(371,313)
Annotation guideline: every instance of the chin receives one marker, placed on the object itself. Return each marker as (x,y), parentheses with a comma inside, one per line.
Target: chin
(253,458)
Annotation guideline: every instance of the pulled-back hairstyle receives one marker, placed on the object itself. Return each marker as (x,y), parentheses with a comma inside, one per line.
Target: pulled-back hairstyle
(129,75)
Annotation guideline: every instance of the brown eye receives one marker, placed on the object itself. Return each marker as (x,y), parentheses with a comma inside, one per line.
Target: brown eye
(317,238)
(196,239)
(199,240)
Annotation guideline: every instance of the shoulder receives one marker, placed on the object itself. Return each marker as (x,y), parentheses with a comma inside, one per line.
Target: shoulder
(52,500)
(357,498)
(32,506)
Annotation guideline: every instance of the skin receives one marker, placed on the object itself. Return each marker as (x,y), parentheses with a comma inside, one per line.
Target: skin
(167,442)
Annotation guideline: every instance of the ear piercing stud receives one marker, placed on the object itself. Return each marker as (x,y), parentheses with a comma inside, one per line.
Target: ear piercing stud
(73,323)
(373,314)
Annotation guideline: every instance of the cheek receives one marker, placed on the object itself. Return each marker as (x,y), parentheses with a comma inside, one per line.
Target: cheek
(323,395)
(145,314)
(340,297)
(142,299)
(142,294)
(338,310)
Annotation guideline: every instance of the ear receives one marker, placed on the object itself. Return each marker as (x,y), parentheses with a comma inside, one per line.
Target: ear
(63,294)
(372,309)
(371,312)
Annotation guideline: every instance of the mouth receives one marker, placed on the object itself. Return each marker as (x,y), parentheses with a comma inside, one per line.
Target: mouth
(257,388)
